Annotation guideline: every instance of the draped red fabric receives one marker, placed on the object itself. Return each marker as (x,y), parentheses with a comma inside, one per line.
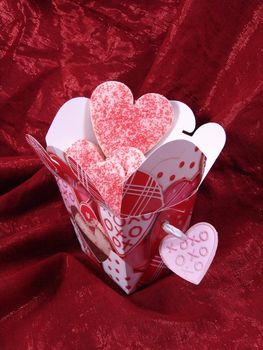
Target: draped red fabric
(207,54)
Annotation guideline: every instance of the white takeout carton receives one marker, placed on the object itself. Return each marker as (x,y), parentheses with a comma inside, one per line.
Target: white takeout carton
(163,189)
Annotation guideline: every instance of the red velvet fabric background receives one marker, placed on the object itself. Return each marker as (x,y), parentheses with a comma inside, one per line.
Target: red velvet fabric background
(207,54)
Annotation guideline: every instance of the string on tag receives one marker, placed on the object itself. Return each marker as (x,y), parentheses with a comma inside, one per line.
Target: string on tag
(172,230)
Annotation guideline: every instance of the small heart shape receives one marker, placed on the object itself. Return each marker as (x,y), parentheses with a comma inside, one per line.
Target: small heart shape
(107,182)
(108,178)
(85,153)
(118,122)
(129,158)
(191,258)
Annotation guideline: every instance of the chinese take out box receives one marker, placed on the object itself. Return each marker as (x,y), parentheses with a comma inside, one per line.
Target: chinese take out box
(162,190)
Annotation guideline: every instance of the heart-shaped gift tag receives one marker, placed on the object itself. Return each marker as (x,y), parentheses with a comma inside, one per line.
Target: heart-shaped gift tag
(118,122)
(190,258)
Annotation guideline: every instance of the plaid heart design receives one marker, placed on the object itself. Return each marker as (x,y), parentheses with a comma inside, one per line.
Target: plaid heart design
(141,194)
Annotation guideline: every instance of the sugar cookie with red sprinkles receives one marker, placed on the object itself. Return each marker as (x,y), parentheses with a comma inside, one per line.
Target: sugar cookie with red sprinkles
(129,158)
(85,153)
(108,178)
(118,122)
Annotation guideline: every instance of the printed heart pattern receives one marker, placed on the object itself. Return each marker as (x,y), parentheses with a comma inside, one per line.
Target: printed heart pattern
(141,195)
(117,121)
(155,270)
(125,233)
(190,259)
(180,190)
(121,272)
(174,161)
(93,231)
(67,193)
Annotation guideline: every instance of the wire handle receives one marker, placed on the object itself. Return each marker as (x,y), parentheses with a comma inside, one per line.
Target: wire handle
(172,230)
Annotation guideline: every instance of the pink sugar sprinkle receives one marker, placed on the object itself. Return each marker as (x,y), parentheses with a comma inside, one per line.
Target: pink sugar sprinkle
(130,159)
(108,177)
(85,153)
(118,122)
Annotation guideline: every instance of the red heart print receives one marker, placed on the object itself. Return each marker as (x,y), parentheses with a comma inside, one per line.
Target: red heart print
(118,122)
(53,166)
(84,179)
(141,195)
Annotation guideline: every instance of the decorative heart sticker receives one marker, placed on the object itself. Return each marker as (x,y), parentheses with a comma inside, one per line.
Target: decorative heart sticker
(117,121)
(190,258)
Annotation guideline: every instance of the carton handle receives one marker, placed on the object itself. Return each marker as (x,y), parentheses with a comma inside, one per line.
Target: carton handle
(172,230)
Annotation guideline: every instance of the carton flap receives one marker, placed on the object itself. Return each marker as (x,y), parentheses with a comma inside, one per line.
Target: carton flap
(71,123)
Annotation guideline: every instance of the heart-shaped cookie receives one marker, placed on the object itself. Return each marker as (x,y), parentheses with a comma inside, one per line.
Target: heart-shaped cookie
(129,158)
(108,178)
(118,122)
(85,153)
(191,258)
